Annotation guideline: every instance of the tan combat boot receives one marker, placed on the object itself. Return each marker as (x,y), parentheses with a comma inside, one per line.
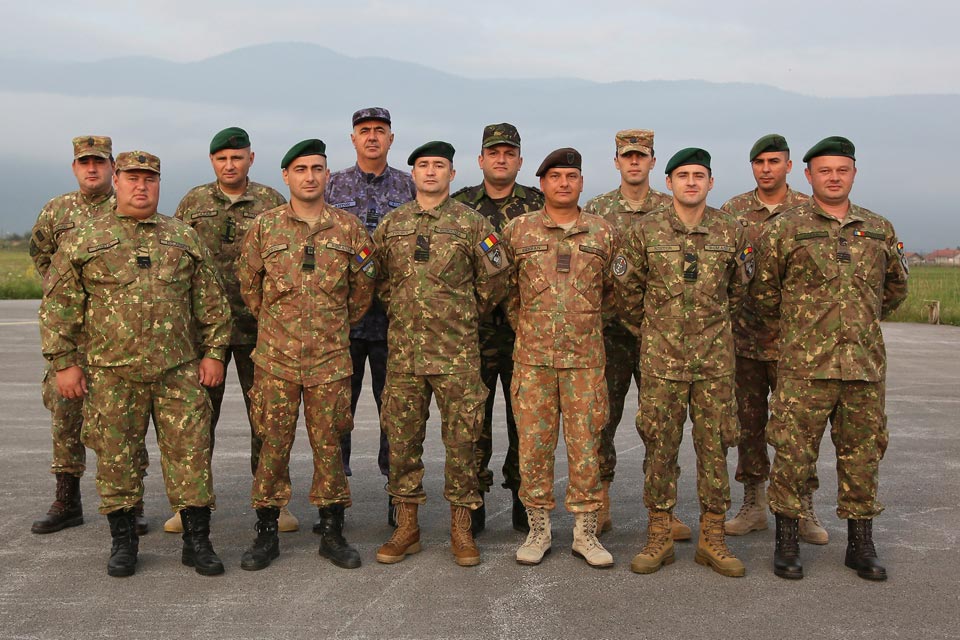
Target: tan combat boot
(538,539)
(603,517)
(465,551)
(173,525)
(585,543)
(405,540)
(678,529)
(658,551)
(811,531)
(753,514)
(712,548)
(287,522)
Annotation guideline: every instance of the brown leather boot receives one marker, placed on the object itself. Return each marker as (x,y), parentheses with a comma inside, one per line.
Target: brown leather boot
(464,549)
(679,529)
(66,510)
(811,531)
(712,548)
(753,514)
(603,516)
(405,540)
(658,551)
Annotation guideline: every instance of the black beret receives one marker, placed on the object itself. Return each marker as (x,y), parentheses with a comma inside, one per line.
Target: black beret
(565,158)
(230,138)
(433,149)
(770,142)
(371,113)
(311,147)
(832,146)
(690,155)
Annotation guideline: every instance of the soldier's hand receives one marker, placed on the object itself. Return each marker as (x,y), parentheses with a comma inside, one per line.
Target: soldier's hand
(71,382)
(211,372)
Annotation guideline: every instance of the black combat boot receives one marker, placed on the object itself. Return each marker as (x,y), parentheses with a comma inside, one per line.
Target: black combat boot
(861,554)
(140,520)
(786,558)
(478,517)
(266,547)
(519,514)
(333,546)
(123,553)
(197,550)
(66,510)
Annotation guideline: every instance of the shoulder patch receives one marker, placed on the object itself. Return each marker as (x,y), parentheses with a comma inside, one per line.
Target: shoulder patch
(489,242)
(619,266)
(362,256)
(103,245)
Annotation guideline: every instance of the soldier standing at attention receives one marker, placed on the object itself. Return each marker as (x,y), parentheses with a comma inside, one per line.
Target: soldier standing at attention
(133,288)
(558,290)
(369,189)
(221,212)
(442,268)
(756,375)
(829,272)
(682,275)
(499,199)
(306,272)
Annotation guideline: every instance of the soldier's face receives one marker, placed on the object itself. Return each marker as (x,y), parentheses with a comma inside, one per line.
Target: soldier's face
(232,166)
(831,178)
(770,170)
(634,167)
(93,174)
(433,175)
(307,177)
(372,139)
(690,184)
(561,186)
(500,164)
(138,192)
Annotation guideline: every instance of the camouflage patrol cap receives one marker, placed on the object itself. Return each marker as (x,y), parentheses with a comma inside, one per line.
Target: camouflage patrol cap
(309,147)
(565,158)
(230,138)
(690,155)
(434,149)
(769,142)
(832,146)
(137,161)
(635,140)
(371,113)
(98,146)
(503,133)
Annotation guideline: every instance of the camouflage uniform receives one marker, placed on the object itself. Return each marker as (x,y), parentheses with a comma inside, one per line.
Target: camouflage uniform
(559,288)
(825,284)
(680,286)
(134,292)
(619,344)
(497,338)
(305,284)
(222,225)
(441,269)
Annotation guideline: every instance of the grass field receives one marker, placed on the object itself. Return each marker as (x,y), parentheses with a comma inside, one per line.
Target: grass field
(18,278)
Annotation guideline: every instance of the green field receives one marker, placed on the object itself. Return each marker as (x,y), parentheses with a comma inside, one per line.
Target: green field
(18,278)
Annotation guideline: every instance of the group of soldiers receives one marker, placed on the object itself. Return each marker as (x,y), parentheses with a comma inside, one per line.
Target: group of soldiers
(711,311)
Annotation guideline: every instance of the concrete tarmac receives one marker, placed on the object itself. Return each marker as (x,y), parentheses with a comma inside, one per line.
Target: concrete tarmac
(56,586)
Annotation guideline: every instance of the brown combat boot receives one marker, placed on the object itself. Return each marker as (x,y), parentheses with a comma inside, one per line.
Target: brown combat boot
(66,510)
(658,551)
(464,549)
(712,548)
(811,531)
(174,524)
(603,516)
(585,543)
(753,514)
(405,540)
(678,529)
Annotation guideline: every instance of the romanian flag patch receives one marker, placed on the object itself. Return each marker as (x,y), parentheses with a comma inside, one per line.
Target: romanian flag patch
(900,248)
(362,255)
(860,233)
(745,253)
(489,242)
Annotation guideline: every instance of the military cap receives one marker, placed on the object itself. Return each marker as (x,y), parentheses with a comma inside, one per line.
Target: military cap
(503,133)
(436,148)
(371,113)
(690,155)
(311,147)
(832,146)
(137,161)
(99,146)
(635,140)
(565,158)
(770,142)
(230,138)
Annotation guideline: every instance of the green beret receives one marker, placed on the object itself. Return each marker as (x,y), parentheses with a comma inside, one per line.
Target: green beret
(311,147)
(690,155)
(832,146)
(230,138)
(770,142)
(434,149)
(565,158)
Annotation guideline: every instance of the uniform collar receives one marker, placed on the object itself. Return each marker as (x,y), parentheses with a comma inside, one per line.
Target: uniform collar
(96,199)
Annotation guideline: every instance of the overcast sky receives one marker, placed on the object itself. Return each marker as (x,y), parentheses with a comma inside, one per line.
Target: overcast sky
(833,48)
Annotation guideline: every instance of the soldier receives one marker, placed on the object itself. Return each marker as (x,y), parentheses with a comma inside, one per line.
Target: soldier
(558,289)
(221,212)
(369,189)
(756,375)
(306,272)
(829,272)
(442,268)
(500,199)
(623,208)
(132,287)
(683,273)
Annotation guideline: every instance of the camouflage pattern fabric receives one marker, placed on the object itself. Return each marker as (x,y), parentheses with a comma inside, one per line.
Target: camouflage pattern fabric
(241,354)
(69,454)
(755,379)
(617,211)
(502,210)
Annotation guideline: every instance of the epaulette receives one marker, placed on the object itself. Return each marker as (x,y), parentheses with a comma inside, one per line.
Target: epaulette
(454,196)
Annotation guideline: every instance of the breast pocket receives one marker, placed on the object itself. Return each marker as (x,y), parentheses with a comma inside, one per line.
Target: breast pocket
(114,266)
(531,278)
(283,272)
(716,265)
(332,267)
(666,277)
(818,258)
(452,264)
(589,278)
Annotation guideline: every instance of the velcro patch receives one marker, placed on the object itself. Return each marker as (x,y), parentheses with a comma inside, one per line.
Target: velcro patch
(531,249)
(619,266)
(63,226)
(398,233)
(865,233)
(489,242)
(812,234)
(203,214)
(720,247)
(452,232)
(344,205)
(174,243)
(659,248)
(363,255)
(746,253)
(272,249)
(393,203)
(105,245)
(597,251)
(340,247)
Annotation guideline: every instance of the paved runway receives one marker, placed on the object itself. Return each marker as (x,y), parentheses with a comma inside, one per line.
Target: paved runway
(55,586)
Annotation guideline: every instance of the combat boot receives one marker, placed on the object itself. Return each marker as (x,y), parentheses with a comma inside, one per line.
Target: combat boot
(658,551)
(197,550)
(465,551)
(811,531)
(786,557)
(603,516)
(405,540)
(287,522)
(139,519)
(66,510)
(585,543)
(391,512)
(333,545)
(712,550)
(518,513)
(266,546)
(861,554)
(478,517)
(174,524)
(679,530)
(123,552)
(538,539)
(753,514)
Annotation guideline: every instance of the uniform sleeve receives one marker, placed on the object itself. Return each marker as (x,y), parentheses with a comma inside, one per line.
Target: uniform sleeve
(767,283)
(42,246)
(250,270)
(895,278)
(182,209)
(210,307)
(491,268)
(363,274)
(62,311)
(629,272)
(511,301)
(608,306)
(739,284)
(382,280)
